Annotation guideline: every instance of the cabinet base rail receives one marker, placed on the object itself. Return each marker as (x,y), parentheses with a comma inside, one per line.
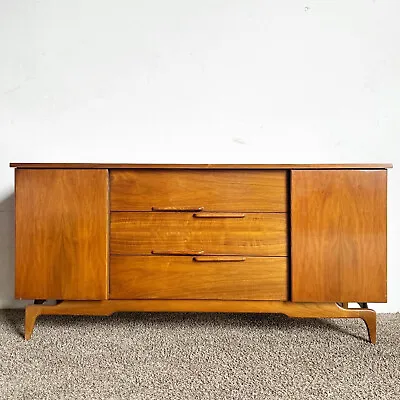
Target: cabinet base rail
(108,307)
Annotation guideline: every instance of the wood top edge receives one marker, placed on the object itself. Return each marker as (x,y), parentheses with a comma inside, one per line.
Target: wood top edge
(198,166)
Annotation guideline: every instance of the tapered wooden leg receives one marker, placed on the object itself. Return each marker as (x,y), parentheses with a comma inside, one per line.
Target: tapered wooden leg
(370,322)
(31,313)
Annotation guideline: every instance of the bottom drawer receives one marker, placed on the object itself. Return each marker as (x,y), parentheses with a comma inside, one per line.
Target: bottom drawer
(202,277)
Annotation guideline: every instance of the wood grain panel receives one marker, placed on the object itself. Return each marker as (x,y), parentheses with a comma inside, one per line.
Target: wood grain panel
(339,236)
(258,234)
(200,166)
(61,234)
(142,190)
(180,277)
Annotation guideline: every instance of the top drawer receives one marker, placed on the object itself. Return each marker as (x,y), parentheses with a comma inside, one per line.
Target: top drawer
(210,190)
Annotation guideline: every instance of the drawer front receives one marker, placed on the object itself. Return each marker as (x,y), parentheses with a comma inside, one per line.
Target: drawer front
(145,233)
(222,190)
(182,277)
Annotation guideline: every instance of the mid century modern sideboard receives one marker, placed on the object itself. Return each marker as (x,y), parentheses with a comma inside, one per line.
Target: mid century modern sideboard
(302,240)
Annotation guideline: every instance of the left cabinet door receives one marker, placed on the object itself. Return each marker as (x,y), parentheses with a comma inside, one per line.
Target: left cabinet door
(61,234)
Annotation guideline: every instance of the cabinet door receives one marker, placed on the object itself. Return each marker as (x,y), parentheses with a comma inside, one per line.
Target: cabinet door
(338,235)
(61,234)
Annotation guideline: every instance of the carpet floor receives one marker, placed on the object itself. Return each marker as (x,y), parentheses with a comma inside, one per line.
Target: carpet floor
(198,356)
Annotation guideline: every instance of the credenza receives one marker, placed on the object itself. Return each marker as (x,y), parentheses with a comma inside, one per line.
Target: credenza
(301,240)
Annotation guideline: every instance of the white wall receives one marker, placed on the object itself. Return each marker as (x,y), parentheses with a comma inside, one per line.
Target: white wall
(196,82)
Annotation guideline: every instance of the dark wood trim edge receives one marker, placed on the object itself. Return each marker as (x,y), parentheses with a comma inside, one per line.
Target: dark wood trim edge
(199,166)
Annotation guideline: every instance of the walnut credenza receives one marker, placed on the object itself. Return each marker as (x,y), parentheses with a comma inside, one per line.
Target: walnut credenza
(302,240)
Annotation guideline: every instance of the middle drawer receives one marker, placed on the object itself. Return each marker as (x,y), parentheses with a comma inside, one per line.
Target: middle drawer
(145,233)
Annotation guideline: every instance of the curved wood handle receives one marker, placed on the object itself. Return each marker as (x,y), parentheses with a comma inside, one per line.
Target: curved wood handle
(219,259)
(176,253)
(176,209)
(218,215)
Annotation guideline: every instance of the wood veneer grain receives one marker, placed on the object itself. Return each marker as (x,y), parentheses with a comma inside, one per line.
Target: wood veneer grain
(338,236)
(141,233)
(61,234)
(182,277)
(224,190)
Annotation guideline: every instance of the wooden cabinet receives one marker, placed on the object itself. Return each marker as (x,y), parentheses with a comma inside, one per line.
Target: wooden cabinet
(303,240)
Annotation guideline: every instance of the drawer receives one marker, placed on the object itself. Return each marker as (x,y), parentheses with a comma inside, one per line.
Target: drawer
(183,277)
(221,190)
(145,233)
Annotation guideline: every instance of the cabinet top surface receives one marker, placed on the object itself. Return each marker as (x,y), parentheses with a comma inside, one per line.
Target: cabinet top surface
(199,166)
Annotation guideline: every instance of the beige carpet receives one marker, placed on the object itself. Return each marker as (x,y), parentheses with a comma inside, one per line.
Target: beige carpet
(198,356)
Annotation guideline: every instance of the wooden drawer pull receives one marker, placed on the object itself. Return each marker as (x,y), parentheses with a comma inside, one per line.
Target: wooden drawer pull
(218,215)
(176,209)
(219,259)
(177,253)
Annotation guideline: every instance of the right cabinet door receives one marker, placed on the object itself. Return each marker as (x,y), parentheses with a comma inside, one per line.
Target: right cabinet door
(338,235)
